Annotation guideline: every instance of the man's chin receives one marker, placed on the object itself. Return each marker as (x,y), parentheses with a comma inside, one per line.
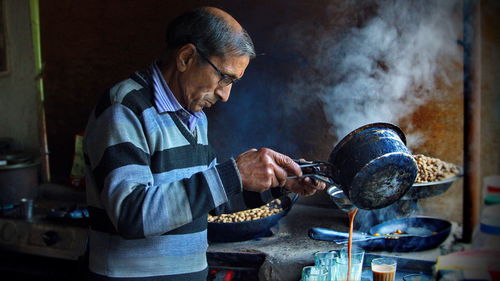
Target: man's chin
(207,105)
(197,109)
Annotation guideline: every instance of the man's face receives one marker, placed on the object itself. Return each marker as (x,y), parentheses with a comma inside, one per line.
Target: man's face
(201,87)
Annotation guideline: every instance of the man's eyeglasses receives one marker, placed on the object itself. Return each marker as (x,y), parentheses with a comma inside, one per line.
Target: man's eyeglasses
(225,80)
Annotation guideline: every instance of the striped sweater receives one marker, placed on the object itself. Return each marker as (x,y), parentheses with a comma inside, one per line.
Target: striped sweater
(150,185)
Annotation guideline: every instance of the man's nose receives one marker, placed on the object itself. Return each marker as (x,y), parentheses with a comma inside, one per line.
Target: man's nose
(223,93)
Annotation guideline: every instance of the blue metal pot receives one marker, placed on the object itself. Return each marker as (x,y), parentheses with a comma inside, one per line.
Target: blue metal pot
(373,166)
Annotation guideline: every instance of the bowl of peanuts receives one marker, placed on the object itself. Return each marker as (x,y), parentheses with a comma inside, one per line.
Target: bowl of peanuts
(434,177)
(249,224)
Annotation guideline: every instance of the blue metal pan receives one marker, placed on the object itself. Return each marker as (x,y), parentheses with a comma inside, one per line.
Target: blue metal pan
(424,233)
(248,230)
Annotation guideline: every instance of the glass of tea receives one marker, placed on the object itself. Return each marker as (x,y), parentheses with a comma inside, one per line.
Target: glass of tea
(354,272)
(384,269)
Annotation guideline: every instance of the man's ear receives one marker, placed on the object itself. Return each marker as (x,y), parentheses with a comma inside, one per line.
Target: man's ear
(185,57)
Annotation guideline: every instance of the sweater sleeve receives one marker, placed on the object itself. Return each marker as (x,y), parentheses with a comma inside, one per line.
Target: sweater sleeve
(119,159)
(248,200)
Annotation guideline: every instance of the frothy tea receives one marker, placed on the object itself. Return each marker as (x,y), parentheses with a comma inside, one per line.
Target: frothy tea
(384,272)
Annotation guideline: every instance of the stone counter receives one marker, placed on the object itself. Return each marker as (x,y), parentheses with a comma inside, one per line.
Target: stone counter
(290,248)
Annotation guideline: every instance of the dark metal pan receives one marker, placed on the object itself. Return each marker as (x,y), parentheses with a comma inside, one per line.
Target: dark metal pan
(428,233)
(372,165)
(248,230)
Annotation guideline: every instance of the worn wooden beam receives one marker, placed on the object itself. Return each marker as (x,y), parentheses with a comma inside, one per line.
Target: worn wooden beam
(472,117)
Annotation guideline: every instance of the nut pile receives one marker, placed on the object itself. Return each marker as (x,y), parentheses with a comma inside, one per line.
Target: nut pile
(269,209)
(397,232)
(433,169)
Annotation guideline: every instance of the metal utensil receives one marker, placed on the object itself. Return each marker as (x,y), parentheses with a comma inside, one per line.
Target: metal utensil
(317,170)
(424,233)
(26,208)
(340,199)
(374,166)
(247,230)
(340,237)
(430,189)
(395,236)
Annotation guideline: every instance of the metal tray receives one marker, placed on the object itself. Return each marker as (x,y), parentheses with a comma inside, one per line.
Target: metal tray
(430,189)
(404,267)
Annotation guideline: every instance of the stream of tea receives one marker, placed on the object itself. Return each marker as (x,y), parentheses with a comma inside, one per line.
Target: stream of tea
(352,214)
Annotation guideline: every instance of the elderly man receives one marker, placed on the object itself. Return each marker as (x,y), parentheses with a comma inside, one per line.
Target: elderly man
(152,176)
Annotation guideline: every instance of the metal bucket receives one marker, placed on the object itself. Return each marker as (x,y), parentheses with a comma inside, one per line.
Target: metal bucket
(18,179)
(373,166)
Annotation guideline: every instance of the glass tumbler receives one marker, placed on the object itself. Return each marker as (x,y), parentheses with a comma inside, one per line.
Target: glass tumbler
(314,273)
(357,256)
(327,260)
(384,269)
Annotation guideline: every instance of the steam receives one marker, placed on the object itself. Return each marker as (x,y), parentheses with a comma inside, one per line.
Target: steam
(383,70)
(368,218)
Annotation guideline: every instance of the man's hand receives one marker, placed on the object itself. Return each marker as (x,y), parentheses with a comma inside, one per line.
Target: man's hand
(304,186)
(265,168)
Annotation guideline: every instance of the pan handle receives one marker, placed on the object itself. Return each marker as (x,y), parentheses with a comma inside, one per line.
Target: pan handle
(319,233)
(317,170)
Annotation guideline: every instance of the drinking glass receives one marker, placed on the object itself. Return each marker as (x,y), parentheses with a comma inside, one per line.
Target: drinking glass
(384,269)
(314,273)
(27,208)
(327,260)
(357,255)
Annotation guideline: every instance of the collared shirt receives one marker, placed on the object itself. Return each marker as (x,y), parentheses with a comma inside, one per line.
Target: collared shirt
(165,100)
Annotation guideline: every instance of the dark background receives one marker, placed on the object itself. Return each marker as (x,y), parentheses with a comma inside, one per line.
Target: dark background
(88,46)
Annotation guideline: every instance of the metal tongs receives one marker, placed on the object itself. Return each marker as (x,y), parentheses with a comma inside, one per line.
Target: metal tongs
(317,170)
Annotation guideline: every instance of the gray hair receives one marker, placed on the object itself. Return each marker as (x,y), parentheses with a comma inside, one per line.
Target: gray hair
(209,33)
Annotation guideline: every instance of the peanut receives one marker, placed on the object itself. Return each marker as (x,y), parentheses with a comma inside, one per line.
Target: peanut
(432,169)
(271,208)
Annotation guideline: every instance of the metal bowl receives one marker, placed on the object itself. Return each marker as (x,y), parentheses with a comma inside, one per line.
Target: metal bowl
(430,189)
(248,230)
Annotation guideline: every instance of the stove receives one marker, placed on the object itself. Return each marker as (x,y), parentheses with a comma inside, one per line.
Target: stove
(55,230)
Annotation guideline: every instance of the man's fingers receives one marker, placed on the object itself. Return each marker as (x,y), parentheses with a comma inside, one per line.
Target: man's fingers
(316,184)
(321,185)
(287,163)
(280,175)
(248,151)
(309,190)
(311,186)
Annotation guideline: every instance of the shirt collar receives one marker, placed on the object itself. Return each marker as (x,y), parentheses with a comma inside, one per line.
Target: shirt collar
(165,100)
